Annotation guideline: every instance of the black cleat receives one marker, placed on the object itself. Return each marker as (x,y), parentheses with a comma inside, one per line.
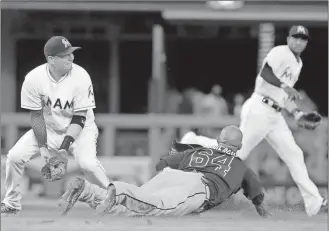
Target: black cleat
(324,206)
(109,201)
(7,211)
(177,147)
(71,196)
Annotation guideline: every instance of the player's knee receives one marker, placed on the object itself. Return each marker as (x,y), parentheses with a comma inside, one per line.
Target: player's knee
(87,164)
(299,154)
(298,157)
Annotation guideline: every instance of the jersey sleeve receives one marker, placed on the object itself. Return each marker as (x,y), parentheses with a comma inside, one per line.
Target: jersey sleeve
(251,185)
(30,95)
(277,59)
(173,161)
(84,98)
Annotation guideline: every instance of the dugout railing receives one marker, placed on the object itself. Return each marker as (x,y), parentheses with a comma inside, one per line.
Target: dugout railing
(156,124)
(162,128)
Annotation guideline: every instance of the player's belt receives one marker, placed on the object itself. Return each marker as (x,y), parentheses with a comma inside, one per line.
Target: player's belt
(270,102)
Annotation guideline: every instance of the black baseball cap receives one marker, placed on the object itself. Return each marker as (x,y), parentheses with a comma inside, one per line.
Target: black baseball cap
(58,46)
(299,31)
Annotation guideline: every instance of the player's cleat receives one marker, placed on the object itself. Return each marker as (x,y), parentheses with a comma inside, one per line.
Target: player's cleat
(324,206)
(71,196)
(109,201)
(177,147)
(7,211)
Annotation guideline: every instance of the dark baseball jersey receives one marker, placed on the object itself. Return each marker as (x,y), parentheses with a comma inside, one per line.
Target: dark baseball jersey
(225,173)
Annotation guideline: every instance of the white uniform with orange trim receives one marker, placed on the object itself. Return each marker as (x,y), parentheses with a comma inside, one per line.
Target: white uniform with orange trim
(59,100)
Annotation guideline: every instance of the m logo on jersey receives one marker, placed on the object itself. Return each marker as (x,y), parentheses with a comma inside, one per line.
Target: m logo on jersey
(287,74)
(59,104)
(90,91)
(66,43)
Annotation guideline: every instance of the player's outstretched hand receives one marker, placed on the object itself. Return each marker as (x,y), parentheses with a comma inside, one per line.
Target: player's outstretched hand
(292,93)
(309,121)
(262,211)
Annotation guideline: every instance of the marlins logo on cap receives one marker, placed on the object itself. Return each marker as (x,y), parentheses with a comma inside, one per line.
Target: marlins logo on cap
(299,31)
(58,46)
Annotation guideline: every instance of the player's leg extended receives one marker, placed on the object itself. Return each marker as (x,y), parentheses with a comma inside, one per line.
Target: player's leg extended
(180,198)
(282,140)
(257,120)
(163,181)
(25,148)
(83,191)
(192,138)
(84,151)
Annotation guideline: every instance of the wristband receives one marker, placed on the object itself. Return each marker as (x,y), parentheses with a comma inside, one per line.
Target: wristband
(297,114)
(283,85)
(68,140)
(79,120)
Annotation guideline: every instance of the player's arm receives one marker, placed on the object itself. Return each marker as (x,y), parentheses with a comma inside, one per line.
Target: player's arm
(293,109)
(307,120)
(171,161)
(273,70)
(39,127)
(252,188)
(31,100)
(268,75)
(253,191)
(77,124)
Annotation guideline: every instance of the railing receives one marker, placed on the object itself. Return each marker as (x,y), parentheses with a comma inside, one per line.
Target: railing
(157,126)
(160,130)
(280,188)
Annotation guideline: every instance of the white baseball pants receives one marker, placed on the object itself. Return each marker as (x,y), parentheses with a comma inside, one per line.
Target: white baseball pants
(26,148)
(259,121)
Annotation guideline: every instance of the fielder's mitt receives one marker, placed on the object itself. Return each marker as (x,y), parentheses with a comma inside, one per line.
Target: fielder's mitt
(310,121)
(56,167)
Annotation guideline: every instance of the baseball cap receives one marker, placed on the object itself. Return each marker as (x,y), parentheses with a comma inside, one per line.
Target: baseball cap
(231,135)
(58,46)
(299,31)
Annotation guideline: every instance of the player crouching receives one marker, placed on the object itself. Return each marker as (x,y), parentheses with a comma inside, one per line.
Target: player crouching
(191,181)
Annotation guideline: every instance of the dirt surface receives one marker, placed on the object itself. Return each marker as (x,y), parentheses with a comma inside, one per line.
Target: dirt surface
(82,219)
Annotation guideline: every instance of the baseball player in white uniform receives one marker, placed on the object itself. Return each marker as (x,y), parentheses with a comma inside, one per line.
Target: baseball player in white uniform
(261,116)
(59,95)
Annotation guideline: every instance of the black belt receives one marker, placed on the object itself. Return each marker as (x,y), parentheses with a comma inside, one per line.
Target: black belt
(270,102)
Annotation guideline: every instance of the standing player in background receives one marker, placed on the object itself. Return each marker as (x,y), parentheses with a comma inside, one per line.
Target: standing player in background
(59,95)
(192,181)
(261,116)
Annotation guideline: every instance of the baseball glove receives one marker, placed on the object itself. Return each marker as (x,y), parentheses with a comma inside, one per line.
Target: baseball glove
(56,167)
(309,121)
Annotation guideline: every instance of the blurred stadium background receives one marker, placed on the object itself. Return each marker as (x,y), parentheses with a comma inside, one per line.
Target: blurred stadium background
(154,66)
